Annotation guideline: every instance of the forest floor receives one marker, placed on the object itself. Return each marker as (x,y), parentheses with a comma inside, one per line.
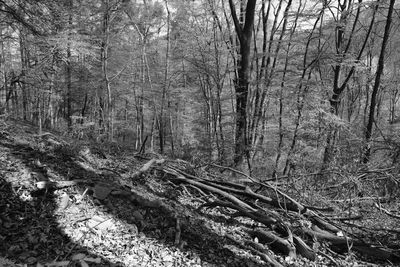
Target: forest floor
(66,203)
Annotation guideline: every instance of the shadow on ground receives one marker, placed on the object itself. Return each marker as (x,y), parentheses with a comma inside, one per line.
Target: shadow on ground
(30,229)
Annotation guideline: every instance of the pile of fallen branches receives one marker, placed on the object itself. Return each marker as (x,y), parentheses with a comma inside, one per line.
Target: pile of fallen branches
(286,226)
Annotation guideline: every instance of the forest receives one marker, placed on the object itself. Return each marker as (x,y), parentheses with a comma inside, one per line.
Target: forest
(278,117)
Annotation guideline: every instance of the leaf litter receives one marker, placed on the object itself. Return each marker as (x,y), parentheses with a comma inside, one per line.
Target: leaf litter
(85,224)
(65,203)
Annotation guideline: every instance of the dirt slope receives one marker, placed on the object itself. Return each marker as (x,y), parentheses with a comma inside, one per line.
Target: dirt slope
(65,203)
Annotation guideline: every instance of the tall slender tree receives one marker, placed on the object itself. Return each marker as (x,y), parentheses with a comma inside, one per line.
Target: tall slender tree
(376,88)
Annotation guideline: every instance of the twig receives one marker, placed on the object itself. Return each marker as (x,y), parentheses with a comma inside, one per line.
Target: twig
(350,218)
(326,209)
(177,232)
(76,242)
(198,190)
(379,207)
(372,229)
(360,199)
(234,170)
(111,170)
(329,257)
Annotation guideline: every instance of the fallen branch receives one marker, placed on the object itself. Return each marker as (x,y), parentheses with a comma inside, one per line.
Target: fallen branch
(287,203)
(209,188)
(263,253)
(146,167)
(325,209)
(348,218)
(60,184)
(275,242)
(320,234)
(257,249)
(303,249)
(361,199)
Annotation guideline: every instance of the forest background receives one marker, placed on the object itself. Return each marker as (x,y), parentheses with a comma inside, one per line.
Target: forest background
(275,88)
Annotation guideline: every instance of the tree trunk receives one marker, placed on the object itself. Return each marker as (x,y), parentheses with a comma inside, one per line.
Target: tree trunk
(69,66)
(281,89)
(50,108)
(244,33)
(24,67)
(161,123)
(342,50)
(104,62)
(375,90)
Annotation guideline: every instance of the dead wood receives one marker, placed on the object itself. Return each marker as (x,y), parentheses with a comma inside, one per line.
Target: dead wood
(363,199)
(245,191)
(225,183)
(136,197)
(378,253)
(303,249)
(220,203)
(110,170)
(257,249)
(322,223)
(379,207)
(198,190)
(320,234)
(285,203)
(246,203)
(61,184)
(210,188)
(275,242)
(177,231)
(146,167)
(325,209)
(258,217)
(263,253)
(347,218)
(374,229)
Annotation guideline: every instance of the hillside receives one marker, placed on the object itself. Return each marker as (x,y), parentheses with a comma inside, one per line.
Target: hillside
(65,203)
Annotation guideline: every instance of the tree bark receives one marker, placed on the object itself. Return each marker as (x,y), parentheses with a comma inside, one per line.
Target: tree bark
(244,33)
(104,63)
(342,50)
(161,122)
(69,66)
(24,68)
(375,90)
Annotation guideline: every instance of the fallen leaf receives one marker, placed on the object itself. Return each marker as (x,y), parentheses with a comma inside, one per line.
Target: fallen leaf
(101,223)
(64,201)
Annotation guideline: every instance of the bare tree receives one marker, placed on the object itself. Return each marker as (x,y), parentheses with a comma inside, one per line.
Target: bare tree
(244,31)
(376,88)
